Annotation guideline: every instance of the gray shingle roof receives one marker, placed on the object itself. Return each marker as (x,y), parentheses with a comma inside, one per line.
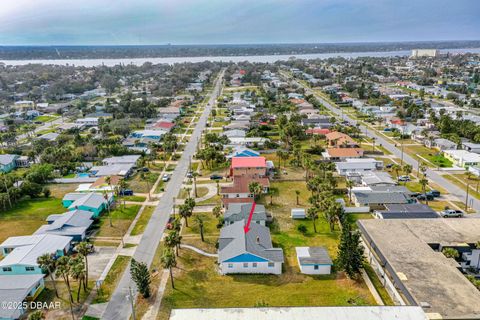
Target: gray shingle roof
(241,211)
(313,255)
(233,242)
(74,222)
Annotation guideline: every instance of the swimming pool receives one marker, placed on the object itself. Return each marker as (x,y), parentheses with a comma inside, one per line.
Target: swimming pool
(83,175)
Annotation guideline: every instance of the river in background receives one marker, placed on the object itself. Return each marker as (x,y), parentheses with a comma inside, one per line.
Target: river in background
(253,59)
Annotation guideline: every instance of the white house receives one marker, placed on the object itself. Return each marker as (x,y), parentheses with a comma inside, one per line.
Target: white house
(358,165)
(314,260)
(248,252)
(87,122)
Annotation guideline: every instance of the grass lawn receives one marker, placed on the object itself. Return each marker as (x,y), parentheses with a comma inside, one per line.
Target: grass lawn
(133,198)
(432,155)
(112,279)
(27,216)
(387,300)
(121,219)
(201,191)
(454,178)
(143,220)
(58,190)
(45,118)
(139,185)
(215,200)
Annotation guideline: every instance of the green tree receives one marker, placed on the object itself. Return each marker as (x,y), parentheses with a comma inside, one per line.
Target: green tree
(199,221)
(312,213)
(350,252)
(36,315)
(77,271)
(84,249)
(424,183)
(63,270)
(169,261)
(255,188)
(217,210)
(48,264)
(141,276)
(349,184)
(450,253)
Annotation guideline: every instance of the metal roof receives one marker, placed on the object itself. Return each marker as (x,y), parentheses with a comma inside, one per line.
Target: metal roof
(313,255)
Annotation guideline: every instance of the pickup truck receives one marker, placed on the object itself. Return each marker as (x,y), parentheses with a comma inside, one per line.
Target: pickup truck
(451,213)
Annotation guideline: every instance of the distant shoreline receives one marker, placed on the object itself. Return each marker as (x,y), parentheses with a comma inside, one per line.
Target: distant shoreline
(271,58)
(16,53)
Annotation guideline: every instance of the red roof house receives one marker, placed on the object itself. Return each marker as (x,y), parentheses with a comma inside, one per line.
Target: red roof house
(252,166)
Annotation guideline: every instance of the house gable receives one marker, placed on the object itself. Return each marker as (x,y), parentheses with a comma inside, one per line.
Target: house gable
(246,257)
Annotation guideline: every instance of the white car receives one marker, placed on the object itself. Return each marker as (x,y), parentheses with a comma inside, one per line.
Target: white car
(166,177)
(450,213)
(404,178)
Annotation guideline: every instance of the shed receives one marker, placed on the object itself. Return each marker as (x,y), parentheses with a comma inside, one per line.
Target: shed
(298,213)
(313,260)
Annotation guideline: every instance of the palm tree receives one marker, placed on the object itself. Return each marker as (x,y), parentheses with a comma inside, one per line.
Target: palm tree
(77,271)
(84,248)
(173,240)
(48,264)
(407,169)
(312,213)
(255,188)
(297,194)
(63,270)
(349,184)
(199,220)
(169,262)
(396,168)
(272,191)
(194,176)
(424,183)
(123,185)
(184,212)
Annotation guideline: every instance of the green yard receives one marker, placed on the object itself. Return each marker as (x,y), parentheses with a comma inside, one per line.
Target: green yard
(143,220)
(431,155)
(121,220)
(27,216)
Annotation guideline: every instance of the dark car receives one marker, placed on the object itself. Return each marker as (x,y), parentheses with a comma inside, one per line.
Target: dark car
(415,194)
(126,192)
(388,166)
(216,177)
(425,196)
(434,193)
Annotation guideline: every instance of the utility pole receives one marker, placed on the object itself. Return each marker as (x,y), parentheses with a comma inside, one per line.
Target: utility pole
(401,163)
(466,198)
(130,298)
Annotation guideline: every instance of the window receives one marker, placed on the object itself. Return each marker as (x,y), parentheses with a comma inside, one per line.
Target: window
(29,268)
(7,269)
(245,264)
(254,264)
(315,267)
(230,265)
(271,264)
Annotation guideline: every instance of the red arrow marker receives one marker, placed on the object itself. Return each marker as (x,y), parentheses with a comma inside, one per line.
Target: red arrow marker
(246,228)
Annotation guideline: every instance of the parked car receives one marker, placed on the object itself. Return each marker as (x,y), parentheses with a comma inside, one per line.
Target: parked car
(434,193)
(426,196)
(451,213)
(170,223)
(404,178)
(216,177)
(415,194)
(389,166)
(190,174)
(166,177)
(126,192)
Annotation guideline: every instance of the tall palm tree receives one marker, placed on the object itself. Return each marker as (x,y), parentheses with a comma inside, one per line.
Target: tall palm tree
(297,194)
(184,212)
(396,168)
(63,270)
(199,221)
(424,183)
(123,185)
(194,176)
(84,249)
(173,240)
(312,213)
(349,184)
(169,261)
(255,188)
(48,264)
(77,271)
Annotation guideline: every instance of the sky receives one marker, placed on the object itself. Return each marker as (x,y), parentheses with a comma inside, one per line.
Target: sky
(118,22)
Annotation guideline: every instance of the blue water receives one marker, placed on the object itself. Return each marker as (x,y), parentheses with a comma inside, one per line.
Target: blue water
(83,175)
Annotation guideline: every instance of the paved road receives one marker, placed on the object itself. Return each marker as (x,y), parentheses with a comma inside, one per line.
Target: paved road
(45,126)
(431,174)
(119,307)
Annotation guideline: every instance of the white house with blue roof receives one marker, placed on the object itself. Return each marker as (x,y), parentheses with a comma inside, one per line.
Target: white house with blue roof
(251,252)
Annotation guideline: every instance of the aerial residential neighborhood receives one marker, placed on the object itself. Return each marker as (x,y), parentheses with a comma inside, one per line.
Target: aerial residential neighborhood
(276,160)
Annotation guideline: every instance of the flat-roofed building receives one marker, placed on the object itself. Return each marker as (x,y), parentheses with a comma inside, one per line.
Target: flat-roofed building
(406,253)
